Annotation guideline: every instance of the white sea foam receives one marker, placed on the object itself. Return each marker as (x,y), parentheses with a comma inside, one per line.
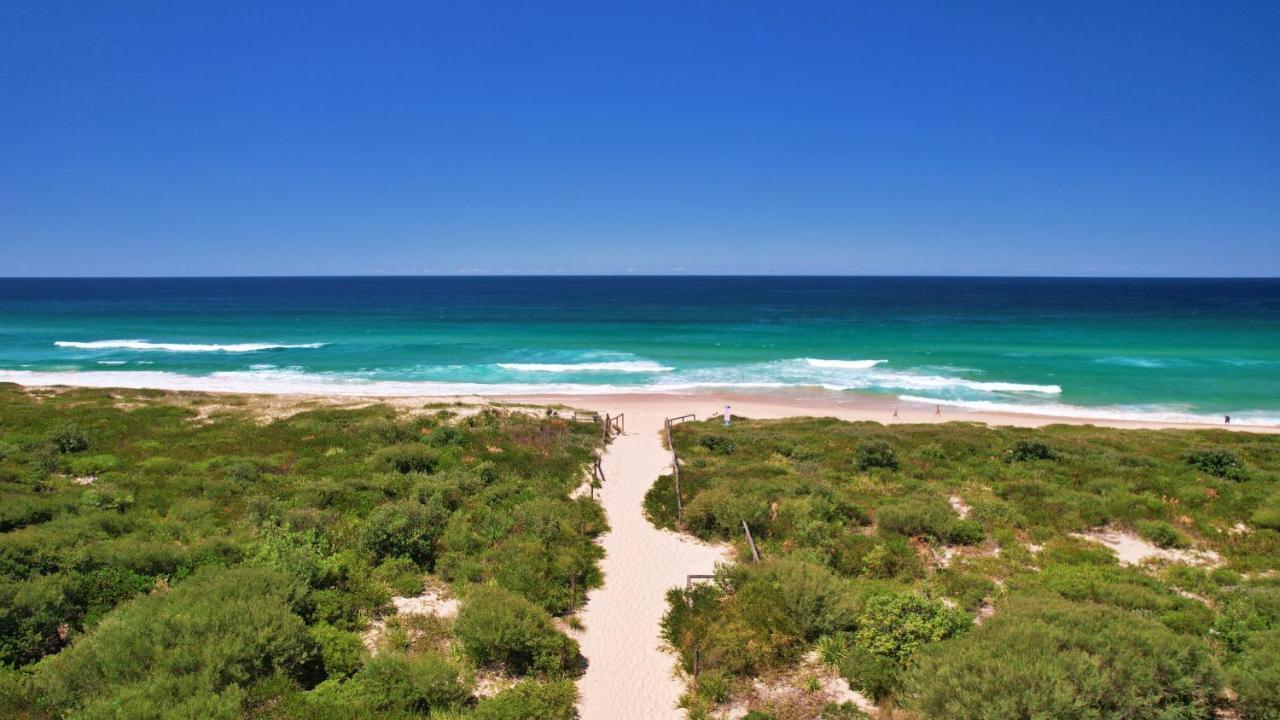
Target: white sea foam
(801,372)
(623,366)
(179,347)
(843,364)
(112,362)
(289,381)
(1128,361)
(1146,413)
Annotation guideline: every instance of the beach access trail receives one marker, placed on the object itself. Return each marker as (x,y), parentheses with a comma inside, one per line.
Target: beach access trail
(628,673)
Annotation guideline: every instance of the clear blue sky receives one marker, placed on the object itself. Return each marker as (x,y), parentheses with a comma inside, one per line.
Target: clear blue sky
(1082,138)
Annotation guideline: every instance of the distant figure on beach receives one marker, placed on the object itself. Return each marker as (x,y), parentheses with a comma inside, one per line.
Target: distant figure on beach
(728,415)
(1227,418)
(895,412)
(937,410)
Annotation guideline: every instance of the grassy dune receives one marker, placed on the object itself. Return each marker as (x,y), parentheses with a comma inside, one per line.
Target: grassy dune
(184,555)
(949,571)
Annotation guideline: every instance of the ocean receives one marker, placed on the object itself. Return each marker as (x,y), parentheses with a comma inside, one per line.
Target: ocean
(1165,349)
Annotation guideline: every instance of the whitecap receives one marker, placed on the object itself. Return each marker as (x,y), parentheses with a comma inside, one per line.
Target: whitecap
(623,366)
(843,364)
(147,345)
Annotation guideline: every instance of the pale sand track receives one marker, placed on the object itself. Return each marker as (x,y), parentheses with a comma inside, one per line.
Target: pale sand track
(629,675)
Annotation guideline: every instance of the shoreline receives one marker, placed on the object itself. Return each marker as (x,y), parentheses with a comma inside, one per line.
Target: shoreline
(761,404)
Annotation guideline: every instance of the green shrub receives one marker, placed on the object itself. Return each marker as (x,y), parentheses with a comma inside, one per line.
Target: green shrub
(1216,461)
(499,628)
(1045,658)
(417,684)
(792,598)
(875,675)
(407,458)
(1028,450)
(931,518)
(405,528)
(70,439)
(875,454)
(531,699)
(444,436)
(896,625)
(402,575)
(1162,534)
(210,636)
(341,652)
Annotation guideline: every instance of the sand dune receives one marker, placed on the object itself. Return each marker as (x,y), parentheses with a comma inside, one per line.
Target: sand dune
(629,675)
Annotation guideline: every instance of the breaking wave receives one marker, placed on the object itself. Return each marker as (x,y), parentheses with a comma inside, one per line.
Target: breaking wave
(180,347)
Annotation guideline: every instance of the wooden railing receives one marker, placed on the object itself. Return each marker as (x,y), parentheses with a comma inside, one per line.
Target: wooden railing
(675,461)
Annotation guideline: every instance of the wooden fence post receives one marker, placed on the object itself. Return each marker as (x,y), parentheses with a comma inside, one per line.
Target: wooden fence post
(755,553)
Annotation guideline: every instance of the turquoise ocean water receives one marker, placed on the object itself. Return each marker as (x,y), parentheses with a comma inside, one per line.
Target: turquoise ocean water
(1161,349)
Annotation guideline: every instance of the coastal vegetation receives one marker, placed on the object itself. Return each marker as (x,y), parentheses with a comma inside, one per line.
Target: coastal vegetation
(182,555)
(962,571)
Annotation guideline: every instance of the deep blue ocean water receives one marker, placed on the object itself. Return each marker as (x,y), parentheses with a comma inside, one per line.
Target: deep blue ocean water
(1157,348)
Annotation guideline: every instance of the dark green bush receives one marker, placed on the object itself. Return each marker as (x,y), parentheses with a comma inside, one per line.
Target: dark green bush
(718,444)
(407,458)
(341,652)
(70,439)
(405,528)
(875,454)
(499,628)
(1027,450)
(444,436)
(1216,461)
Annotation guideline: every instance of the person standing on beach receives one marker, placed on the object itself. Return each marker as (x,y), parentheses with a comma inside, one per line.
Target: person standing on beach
(937,410)
(1227,419)
(895,412)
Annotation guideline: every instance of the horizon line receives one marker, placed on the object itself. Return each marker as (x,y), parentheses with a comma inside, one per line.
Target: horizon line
(523,275)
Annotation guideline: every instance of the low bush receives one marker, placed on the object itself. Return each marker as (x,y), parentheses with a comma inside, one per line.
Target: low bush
(915,517)
(1040,657)
(1162,534)
(875,454)
(1216,461)
(419,684)
(70,439)
(1029,450)
(499,628)
(405,529)
(407,458)
(530,699)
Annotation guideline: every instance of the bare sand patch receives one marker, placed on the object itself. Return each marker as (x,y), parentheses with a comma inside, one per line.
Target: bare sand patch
(1133,550)
(434,600)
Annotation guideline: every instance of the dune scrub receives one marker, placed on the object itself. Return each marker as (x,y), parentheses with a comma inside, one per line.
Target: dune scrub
(940,569)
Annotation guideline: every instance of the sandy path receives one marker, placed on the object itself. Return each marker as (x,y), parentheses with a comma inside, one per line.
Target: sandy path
(628,675)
